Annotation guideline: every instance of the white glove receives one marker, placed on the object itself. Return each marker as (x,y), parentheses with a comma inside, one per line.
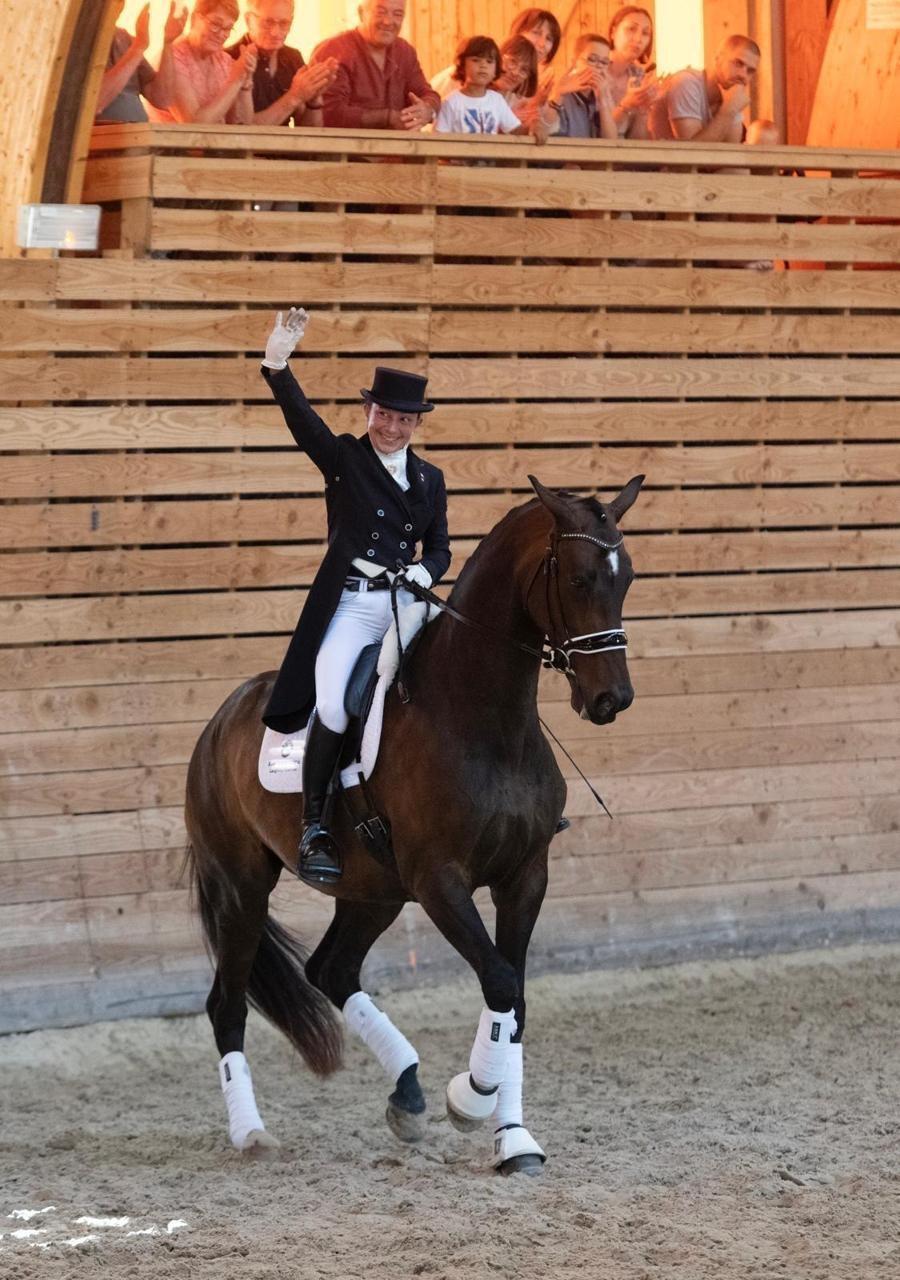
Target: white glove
(418,574)
(284,337)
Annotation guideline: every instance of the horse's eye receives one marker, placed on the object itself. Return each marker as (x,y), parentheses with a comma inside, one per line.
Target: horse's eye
(578,582)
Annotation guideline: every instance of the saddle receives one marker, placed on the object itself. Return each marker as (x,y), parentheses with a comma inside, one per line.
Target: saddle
(280,767)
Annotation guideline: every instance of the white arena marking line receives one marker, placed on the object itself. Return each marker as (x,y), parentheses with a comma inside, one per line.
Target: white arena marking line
(102,1222)
(27,1214)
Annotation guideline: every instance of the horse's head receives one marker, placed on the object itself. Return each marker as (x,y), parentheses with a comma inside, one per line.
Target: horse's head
(587,572)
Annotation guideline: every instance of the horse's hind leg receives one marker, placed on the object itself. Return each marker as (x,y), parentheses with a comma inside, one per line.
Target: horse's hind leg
(518,904)
(472,1095)
(334,967)
(238,919)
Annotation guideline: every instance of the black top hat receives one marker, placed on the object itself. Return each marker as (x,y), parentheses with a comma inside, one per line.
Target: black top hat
(394,389)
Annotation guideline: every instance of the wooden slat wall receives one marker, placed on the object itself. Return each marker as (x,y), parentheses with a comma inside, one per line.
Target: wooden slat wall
(160,533)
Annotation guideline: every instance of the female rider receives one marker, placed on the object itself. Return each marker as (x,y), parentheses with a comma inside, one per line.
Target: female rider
(382,500)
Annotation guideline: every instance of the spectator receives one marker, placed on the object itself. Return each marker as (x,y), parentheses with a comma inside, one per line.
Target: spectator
(518,80)
(379,83)
(476,107)
(542,31)
(541,28)
(284,87)
(586,111)
(128,74)
(633,87)
(209,87)
(706,106)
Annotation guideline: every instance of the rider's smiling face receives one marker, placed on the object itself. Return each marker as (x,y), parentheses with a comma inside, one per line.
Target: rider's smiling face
(389,429)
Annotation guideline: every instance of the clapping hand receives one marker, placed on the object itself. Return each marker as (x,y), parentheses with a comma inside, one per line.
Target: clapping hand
(142,28)
(417,114)
(308,82)
(284,337)
(175,23)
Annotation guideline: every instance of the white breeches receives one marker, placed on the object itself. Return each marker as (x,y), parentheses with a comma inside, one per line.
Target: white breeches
(361,618)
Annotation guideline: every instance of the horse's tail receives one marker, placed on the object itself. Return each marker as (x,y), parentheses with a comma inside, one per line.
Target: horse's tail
(278,987)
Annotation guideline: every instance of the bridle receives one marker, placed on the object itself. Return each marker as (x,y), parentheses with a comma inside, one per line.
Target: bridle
(556,657)
(553,656)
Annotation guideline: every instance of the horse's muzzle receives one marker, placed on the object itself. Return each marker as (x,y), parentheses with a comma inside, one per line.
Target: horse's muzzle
(604,708)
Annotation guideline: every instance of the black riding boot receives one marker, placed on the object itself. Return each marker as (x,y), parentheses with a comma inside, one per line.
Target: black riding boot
(320,858)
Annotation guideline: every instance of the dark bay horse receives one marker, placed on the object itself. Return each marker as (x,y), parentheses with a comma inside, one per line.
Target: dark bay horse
(473,795)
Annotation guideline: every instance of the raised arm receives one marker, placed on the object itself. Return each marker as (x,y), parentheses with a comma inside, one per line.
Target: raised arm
(309,431)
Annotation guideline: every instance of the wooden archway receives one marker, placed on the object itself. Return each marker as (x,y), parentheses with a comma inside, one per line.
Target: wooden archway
(45,112)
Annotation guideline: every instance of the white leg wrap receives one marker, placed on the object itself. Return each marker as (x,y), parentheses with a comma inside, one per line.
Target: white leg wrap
(243,1117)
(509,1095)
(509,1143)
(375,1029)
(487,1061)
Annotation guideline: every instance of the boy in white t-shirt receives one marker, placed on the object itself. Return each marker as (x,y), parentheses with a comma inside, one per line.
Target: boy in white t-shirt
(476,107)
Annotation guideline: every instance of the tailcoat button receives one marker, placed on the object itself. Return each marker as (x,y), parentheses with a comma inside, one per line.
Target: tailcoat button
(375,535)
(408,528)
(371,552)
(402,546)
(379,512)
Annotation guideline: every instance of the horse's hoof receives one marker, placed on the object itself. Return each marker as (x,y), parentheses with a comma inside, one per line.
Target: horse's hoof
(515,1151)
(467,1108)
(259,1145)
(404,1125)
(532,1166)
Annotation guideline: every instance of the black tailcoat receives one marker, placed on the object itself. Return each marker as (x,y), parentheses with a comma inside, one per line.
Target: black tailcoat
(369,516)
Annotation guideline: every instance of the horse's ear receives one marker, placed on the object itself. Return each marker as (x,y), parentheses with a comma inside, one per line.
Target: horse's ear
(558,506)
(622,501)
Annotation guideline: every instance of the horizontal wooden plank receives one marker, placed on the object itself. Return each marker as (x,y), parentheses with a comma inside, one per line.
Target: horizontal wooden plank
(76,427)
(521,285)
(103,731)
(609,236)
(265,231)
(792,638)
(25,621)
(169,330)
(262,140)
(441,284)
(198,329)
(454,235)
(410,184)
(61,573)
(100,789)
(764,818)
(108,522)
(591,467)
(171,378)
(117,178)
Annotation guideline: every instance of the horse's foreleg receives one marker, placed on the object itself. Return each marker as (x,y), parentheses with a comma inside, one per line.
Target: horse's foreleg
(518,905)
(239,922)
(472,1095)
(334,967)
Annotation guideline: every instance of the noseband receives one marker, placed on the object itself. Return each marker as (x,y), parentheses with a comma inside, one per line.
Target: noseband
(558,656)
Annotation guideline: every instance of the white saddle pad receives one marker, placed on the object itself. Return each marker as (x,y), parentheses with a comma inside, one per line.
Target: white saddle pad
(281,755)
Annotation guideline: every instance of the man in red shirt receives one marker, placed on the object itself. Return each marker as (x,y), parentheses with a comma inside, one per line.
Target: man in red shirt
(379,83)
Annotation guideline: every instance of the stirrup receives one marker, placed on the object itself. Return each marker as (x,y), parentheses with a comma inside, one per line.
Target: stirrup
(320,858)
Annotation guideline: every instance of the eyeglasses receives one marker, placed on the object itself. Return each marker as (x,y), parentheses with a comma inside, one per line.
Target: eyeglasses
(217,28)
(597,62)
(272,24)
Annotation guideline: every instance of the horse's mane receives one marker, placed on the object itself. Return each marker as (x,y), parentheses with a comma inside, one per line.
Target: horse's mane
(509,525)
